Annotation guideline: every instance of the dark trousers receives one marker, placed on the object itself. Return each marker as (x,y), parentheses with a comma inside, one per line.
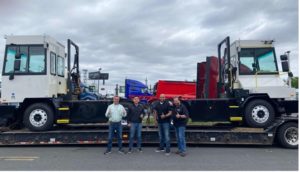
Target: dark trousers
(164,135)
(180,135)
(135,128)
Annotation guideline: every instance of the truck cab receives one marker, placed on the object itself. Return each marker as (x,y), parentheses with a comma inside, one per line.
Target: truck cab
(34,67)
(246,85)
(39,90)
(257,69)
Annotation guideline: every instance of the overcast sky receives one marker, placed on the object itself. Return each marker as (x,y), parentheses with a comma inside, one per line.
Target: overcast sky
(157,39)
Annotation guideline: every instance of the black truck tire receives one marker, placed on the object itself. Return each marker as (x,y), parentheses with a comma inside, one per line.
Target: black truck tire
(259,113)
(287,135)
(38,117)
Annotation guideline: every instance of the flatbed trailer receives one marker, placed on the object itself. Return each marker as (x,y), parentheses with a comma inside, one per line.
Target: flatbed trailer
(195,135)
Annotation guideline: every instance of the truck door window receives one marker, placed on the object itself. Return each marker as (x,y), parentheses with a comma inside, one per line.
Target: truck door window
(37,61)
(60,66)
(10,58)
(246,61)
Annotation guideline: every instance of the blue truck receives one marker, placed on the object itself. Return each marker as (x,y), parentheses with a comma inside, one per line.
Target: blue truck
(136,88)
(87,93)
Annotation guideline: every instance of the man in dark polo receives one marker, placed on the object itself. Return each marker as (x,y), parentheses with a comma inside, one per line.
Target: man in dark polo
(134,118)
(180,118)
(162,116)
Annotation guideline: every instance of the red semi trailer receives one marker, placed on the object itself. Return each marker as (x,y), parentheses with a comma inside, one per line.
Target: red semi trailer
(186,90)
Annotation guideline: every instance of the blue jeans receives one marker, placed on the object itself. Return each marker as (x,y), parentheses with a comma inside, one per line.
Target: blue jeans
(164,135)
(114,126)
(135,127)
(180,135)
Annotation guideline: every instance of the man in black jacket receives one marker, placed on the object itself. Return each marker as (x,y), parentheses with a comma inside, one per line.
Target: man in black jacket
(162,116)
(180,118)
(134,119)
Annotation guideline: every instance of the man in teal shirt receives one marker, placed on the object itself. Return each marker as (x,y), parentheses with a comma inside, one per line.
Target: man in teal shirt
(115,112)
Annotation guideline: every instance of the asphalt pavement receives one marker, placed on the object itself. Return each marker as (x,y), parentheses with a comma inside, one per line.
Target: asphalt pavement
(73,158)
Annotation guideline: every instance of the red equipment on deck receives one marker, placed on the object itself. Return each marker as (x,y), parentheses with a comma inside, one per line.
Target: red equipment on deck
(207,78)
(184,89)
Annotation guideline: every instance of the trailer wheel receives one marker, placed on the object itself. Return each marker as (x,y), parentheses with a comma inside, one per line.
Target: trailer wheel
(38,117)
(259,113)
(287,135)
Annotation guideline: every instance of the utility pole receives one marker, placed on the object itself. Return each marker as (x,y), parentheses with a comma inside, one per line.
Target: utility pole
(146,82)
(150,89)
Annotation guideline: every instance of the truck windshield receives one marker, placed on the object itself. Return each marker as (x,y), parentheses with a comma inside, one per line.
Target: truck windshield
(257,60)
(32,59)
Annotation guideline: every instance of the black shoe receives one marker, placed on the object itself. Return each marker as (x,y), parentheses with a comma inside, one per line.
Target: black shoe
(140,150)
(107,152)
(159,150)
(122,152)
(182,154)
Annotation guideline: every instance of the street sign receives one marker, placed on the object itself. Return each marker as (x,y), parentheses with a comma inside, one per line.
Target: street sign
(98,76)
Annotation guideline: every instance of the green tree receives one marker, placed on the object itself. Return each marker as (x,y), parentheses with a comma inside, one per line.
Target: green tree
(295,82)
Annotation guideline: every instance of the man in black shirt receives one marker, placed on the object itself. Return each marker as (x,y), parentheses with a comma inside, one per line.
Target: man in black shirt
(180,117)
(134,118)
(162,116)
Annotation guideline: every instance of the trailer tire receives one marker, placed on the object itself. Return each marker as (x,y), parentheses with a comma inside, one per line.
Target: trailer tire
(38,117)
(287,135)
(259,113)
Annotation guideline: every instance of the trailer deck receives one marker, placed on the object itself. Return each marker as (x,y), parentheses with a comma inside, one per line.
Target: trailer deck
(97,134)
(194,135)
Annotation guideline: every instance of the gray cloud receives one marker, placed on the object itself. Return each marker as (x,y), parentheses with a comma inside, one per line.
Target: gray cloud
(154,39)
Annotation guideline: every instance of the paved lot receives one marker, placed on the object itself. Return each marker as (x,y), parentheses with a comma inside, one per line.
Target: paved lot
(199,158)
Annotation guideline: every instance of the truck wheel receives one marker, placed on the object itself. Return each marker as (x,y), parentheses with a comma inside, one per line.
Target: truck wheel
(259,113)
(287,135)
(38,117)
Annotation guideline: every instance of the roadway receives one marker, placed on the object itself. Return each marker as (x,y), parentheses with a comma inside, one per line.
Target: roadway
(238,158)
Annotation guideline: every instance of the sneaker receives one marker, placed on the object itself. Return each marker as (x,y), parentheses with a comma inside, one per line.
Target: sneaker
(168,153)
(182,154)
(140,150)
(159,150)
(121,151)
(129,151)
(107,152)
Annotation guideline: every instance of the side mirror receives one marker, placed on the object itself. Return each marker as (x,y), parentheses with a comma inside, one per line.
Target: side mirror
(17,65)
(17,62)
(283,57)
(284,63)
(285,66)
